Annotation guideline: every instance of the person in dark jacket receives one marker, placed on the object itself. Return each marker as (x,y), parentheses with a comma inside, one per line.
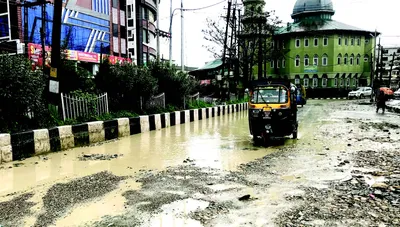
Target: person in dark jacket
(381,102)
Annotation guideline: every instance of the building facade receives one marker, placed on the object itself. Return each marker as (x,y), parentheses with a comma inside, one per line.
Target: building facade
(389,56)
(319,52)
(122,30)
(9,28)
(142,30)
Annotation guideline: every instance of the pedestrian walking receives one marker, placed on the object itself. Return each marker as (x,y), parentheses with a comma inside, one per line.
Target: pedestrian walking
(381,102)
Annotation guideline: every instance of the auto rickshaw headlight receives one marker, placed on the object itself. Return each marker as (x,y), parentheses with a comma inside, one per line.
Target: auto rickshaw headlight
(280,113)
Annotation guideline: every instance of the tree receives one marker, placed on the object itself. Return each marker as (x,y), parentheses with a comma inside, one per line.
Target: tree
(214,33)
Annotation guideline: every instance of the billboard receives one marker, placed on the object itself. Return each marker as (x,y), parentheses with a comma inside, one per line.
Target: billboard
(35,54)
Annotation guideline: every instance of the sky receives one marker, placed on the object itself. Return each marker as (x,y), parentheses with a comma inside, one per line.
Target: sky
(365,14)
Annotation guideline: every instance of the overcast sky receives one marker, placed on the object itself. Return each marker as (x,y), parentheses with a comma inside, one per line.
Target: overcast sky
(366,14)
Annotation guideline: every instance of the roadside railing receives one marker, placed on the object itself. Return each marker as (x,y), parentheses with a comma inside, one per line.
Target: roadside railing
(154,101)
(74,107)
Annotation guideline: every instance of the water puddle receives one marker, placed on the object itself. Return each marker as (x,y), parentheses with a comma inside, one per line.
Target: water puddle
(156,150)
(111,204)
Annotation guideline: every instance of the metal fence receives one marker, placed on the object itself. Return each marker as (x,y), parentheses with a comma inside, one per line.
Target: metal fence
(74,107)
(155,101)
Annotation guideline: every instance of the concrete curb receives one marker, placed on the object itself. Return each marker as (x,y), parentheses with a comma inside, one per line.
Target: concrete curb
(27,144)
(340,98)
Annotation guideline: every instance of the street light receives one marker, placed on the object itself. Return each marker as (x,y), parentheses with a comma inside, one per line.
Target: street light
(170,33)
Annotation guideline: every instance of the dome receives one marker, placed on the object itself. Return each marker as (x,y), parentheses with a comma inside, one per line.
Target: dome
(312,6)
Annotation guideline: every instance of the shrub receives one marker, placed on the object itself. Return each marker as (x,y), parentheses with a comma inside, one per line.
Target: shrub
(21,94)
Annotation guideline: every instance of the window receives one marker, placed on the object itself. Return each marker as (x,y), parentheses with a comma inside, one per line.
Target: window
(352,41)
(335,83)
(315,62)
(145,38)
(358,41)
(325,41)
(306,60)
(339,59)
(358,59)
(342,82)
(278,63)
(348,82)
(272,64)
(366,40)
(268,95)
(297,61)
(340,41)
(354,82)
(129,11)
(324,82)
(130,23)
(297,42)
(283,44)
(115,4)
(273,44)
(315,41)
(297,81)
(151,17)
(115,30)
(346,41)
(325,60)
(352,59)
(315,82)
(306,42)
(306,82)
(345,59)
(283,63)
(123,32)
(366,58)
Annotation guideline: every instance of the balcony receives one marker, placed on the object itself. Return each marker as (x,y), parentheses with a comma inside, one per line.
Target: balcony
(149,26)
(150,50)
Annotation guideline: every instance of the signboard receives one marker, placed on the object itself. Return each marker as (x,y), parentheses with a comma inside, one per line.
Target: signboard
(53,72)
(54,86)
(35,54)
(310,69)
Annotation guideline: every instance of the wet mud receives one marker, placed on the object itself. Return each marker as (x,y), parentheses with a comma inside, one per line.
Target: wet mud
(61,197)
(342,171)
(12,211)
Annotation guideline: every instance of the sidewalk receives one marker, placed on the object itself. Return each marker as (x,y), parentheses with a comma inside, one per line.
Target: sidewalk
(393,106)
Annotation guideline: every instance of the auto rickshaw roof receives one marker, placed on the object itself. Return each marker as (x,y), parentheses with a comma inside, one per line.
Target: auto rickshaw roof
(270,82)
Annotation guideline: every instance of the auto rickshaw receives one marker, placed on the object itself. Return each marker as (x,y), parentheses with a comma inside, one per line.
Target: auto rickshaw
(272,110)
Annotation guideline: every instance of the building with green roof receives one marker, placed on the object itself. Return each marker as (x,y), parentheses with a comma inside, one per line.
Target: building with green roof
(323,55)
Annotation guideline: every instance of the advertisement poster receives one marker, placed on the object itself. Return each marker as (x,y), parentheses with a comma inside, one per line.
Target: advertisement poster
(35,54)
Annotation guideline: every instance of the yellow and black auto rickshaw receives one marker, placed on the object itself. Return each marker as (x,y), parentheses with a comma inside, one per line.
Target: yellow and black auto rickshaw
(272,109)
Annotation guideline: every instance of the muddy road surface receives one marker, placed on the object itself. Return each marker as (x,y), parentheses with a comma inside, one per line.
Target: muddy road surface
(344,170)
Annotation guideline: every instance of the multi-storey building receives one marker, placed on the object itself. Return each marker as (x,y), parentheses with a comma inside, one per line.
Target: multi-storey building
(142,30)
(9,28)
(118,29)
(389,56)
(321,52)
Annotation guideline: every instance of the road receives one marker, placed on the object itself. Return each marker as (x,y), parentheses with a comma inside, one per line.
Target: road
(342,171)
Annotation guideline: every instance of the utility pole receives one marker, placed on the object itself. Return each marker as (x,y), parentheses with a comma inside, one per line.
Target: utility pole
(170,34)
(158,31)
(381,67)
(260,51)
(182,41)
(378,60)
(26,41)
(391,68)
(43,36)
(225,45)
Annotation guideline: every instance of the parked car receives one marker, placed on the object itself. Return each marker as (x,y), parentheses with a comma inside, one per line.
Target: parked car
(388,92)
(360,93)
(397,93)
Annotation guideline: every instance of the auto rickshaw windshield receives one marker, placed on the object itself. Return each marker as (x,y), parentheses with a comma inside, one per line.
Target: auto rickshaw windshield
(270,95)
